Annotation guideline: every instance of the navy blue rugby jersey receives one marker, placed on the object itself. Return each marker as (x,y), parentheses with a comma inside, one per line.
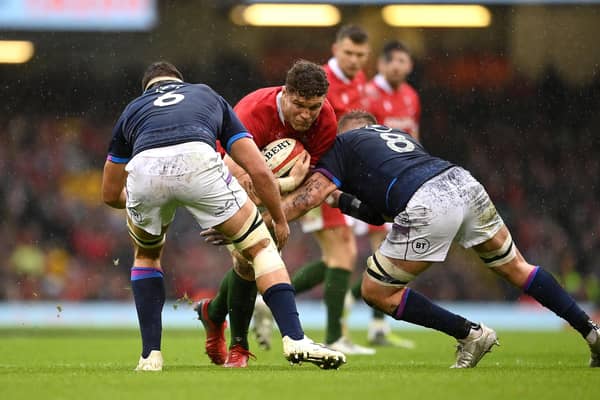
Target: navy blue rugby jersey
(171,113)
(381,166)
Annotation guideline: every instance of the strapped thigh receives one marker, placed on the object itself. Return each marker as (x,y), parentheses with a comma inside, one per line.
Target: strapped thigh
(152,243)
(255,233)
(505,254)
(383,271)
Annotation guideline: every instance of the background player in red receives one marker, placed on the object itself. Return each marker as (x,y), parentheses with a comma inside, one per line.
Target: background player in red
(297,110)
(393,101)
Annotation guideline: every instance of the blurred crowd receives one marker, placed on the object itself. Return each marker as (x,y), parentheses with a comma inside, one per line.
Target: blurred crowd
(532,144)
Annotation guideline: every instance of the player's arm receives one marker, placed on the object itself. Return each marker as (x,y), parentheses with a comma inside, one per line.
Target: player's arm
(312,193)
(113,184)
(114,174)
(245,153)
(352,206)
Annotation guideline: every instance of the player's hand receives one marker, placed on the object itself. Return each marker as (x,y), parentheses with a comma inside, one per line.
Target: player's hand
(215,237)
(300,168)
(281,231)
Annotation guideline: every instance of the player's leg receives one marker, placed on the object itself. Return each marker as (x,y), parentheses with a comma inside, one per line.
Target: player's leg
(147,286)
(212,313)
(501,255)
(236,296)
(379,332)
(338,247)
(312,273)
(422,234)
(240,303)
(150,209)
(252,239)
(384,286)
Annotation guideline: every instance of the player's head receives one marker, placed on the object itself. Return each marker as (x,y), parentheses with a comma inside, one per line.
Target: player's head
(351,49)
(354,120)
(158,70)
(395,62)
(304,94)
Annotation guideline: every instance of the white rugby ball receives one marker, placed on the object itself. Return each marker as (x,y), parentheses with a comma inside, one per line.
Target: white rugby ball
(282,154)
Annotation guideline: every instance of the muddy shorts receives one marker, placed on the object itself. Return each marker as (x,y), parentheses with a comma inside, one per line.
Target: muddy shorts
(452,206)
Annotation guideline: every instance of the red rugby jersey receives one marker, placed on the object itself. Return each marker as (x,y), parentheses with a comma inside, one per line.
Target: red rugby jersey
(400,108)
(344,94)
(260,113)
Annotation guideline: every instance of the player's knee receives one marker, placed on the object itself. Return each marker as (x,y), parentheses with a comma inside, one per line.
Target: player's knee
(254,242)
(381,270)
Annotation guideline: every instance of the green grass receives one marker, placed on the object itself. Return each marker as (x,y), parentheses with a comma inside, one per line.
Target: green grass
(98,364)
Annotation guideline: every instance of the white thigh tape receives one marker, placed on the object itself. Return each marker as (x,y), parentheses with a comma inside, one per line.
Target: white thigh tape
(384,272)
(501,256)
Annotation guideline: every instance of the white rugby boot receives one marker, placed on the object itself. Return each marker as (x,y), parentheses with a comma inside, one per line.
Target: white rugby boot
(345,345)
(154,362)
(471,349)
(297,351)
(593,339)
(262,324)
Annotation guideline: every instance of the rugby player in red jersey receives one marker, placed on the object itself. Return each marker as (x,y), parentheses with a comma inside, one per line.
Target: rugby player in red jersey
(297,110)
(393,101)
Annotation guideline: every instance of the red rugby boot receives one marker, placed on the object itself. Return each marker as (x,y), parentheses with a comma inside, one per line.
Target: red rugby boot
(215,345)
(238,357)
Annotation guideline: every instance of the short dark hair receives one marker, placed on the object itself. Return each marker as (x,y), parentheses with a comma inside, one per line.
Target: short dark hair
(306,79)
(357,115)
(160,68)
(392,46)
(353,32)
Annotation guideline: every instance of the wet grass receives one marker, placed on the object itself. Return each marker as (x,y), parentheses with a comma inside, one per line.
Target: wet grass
(98,364)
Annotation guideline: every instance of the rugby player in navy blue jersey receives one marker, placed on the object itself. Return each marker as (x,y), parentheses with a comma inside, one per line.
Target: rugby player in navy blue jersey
(385,175)
(163,156)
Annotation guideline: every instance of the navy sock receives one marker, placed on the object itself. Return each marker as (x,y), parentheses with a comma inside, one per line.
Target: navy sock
(542,286)
(417,309)
(280,299)
(148,289)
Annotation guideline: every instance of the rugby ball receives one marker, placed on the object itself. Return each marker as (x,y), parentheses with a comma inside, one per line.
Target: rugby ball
(282,154)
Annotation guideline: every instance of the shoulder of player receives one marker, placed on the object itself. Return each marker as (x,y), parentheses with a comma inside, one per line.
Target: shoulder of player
(260,104)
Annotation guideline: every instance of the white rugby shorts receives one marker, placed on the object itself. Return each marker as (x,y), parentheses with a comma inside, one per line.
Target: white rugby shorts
(190,175)
(452,206)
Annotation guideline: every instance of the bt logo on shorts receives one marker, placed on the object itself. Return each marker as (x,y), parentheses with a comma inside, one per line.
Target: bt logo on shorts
(420,246)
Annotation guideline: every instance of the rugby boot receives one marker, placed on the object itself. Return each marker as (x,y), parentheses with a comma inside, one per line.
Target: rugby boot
(297,351)
(154,362)
(471,349)
(238,357)
(593,339)
(215,346)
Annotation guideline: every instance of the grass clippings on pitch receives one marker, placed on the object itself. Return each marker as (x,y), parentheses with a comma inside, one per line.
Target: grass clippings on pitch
(98,364)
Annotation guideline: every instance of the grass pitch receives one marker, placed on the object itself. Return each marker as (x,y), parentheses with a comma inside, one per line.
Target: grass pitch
(98,364)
